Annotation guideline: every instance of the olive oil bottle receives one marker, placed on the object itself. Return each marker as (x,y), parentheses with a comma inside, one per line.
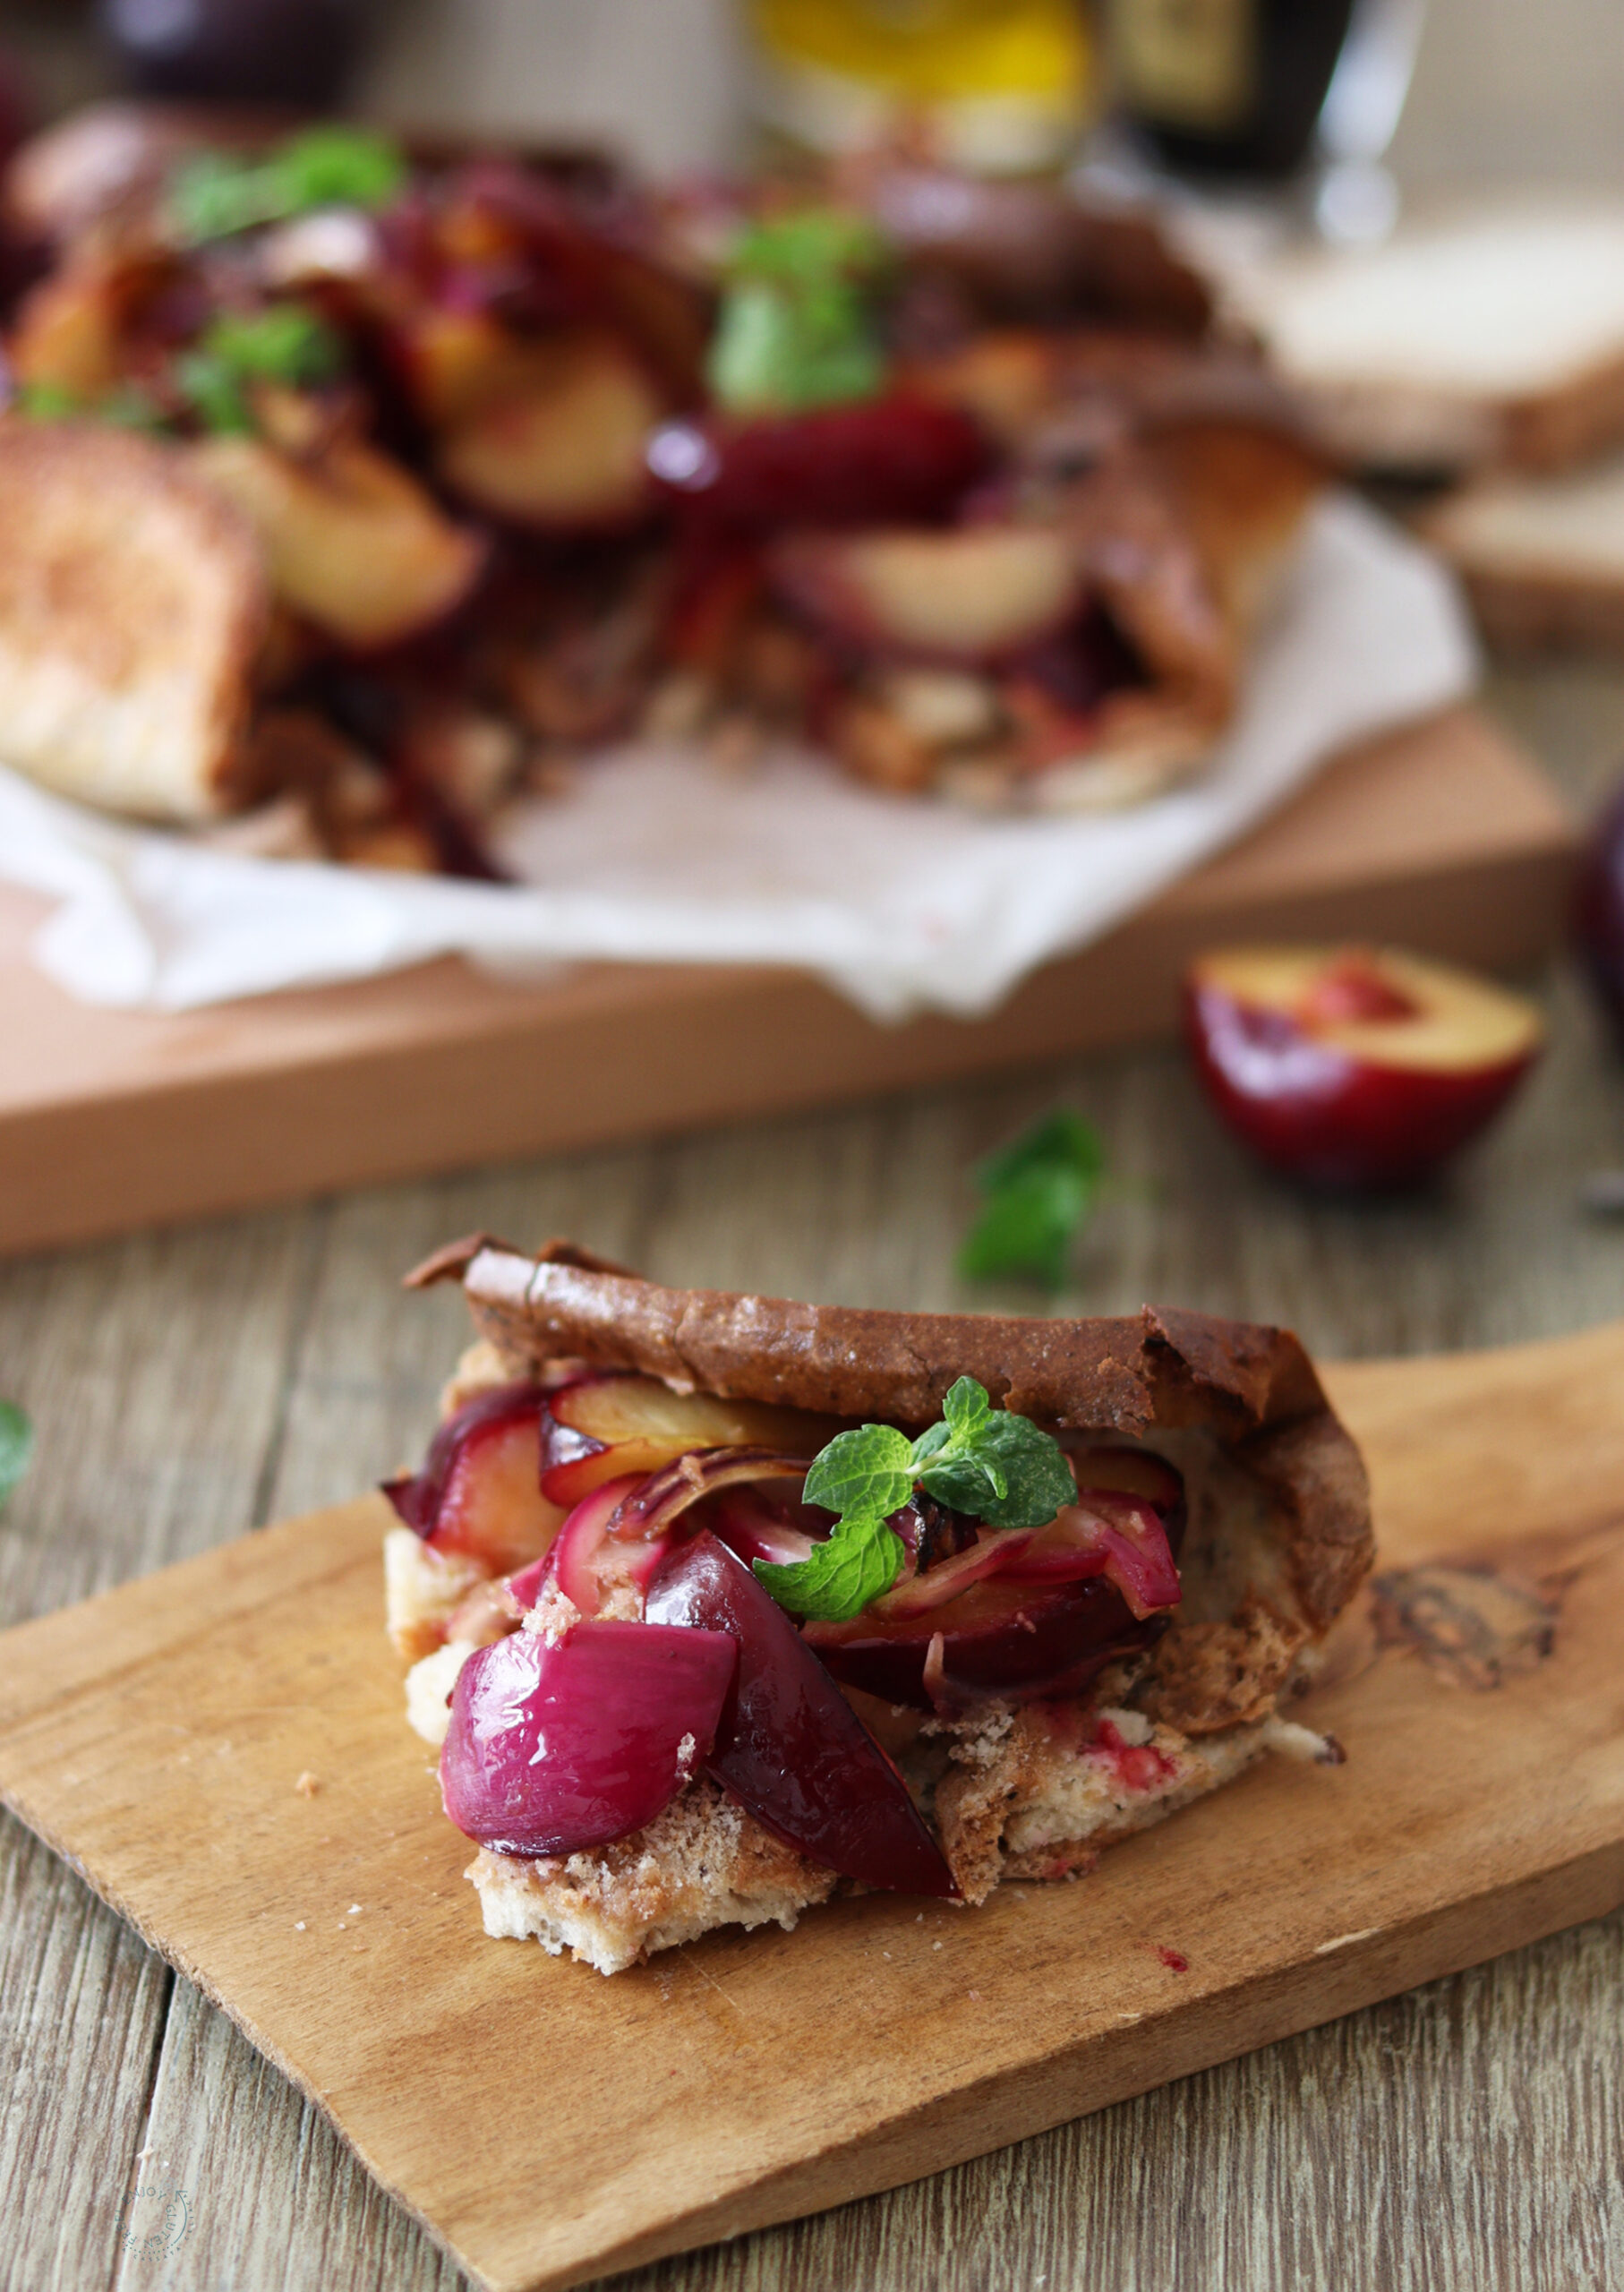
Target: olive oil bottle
(997,86)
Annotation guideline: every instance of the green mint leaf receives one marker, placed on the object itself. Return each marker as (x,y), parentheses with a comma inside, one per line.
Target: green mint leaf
(1040,1191)
(999,1468)
(284,343)
(866,1472)
(213,195)
(965,1409)
(1032,1467)
(214,392)
(860,1562)
(338,166)
(962,1482)
(45,402)
(17,1449)
(1063,1140)
(797,326)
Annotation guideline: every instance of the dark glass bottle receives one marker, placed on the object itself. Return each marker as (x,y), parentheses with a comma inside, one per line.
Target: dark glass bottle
(293,52)
(1226,87)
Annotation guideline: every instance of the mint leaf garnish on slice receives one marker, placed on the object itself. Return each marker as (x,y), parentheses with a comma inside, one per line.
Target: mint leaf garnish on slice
(1001,1468)
(16,1448)
(284,343)
(797,327)
(861,1559)
(1038,1192)
(868,1471)
(214,194)
(1013,1476)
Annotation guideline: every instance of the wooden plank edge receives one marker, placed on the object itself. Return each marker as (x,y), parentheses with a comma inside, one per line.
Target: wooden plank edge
(777,1042)
(1101,2071)
(1095,2073)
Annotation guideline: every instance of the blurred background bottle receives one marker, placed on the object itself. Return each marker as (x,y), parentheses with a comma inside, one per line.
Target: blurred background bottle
(999,86)
(1226,87)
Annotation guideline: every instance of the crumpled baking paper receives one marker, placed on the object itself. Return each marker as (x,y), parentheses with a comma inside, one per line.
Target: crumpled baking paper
(657,856)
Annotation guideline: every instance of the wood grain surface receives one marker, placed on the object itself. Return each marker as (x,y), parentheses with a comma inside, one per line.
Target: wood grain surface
(1441,835)
(1469,2134)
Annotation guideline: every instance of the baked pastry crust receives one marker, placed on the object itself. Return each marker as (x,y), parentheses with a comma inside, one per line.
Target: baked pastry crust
(132,608)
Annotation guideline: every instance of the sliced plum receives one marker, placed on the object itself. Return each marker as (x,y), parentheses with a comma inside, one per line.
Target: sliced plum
(789,1748)
(901,459)
(558,1747)
(480,1491)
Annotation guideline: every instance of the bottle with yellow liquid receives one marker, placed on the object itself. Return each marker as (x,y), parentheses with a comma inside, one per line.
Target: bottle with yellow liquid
(1001,87)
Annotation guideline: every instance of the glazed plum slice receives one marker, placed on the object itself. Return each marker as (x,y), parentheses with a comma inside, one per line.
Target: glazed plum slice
(604,1426)
(557,1748)
(898,459)
(1016,1641)
(479,1492)
(789,1748)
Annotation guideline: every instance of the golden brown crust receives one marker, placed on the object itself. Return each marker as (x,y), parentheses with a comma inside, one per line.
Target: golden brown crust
(1246,1396)
(133,604)
(1207,1676)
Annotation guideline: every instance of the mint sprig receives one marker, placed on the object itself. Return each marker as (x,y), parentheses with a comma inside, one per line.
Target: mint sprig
(214,195)
(797,326)
(997,1466)
(1037,1192)
(16,1448)
(284,343)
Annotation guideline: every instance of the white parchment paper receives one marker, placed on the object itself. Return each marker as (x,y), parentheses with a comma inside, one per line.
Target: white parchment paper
(658,857)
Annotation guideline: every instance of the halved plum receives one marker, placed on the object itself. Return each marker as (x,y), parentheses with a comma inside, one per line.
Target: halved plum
(480,1490)
(789,1748)
(559,1747)
(350,539)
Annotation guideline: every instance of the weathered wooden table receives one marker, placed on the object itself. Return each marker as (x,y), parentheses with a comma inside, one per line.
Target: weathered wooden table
(187,1385)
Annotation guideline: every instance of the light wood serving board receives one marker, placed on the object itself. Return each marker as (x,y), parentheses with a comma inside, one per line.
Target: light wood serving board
(547,2124)
(1444,836)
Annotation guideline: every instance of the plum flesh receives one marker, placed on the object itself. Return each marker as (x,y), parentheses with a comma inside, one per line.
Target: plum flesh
(789,1748)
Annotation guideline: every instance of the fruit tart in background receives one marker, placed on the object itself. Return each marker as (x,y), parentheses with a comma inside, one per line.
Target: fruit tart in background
(352,492)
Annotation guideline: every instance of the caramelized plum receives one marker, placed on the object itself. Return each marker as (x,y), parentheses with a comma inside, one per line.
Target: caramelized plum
(1027,1613)
(480,1490)
(975,594)
(560,447)
(1000,1638)
(607,1426)
(789,1748)
(351,541)
(898,459)
(558,1748)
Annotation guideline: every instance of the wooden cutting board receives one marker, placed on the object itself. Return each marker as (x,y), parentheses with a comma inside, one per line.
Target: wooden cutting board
(547,2124)
(1443,837)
